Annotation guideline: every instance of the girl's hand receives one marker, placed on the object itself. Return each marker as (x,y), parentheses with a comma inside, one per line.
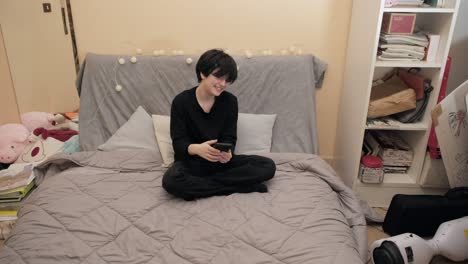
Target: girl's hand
(206,151)
(225,157)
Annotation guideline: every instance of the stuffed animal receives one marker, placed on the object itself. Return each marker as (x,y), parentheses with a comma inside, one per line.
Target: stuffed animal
(13,139)
(40,149)
(60,121)
(33,120)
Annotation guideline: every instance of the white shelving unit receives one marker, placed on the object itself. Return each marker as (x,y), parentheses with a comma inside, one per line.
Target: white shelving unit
(361,69)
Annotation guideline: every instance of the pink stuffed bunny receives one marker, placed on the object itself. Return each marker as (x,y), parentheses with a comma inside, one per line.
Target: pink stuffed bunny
(13,139)
(33,120)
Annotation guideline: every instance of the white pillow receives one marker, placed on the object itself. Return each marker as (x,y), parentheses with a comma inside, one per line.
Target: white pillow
(254,134)
(136,133)
(162,129)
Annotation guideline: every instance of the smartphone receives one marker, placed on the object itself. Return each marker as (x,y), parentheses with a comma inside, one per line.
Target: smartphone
(225,147)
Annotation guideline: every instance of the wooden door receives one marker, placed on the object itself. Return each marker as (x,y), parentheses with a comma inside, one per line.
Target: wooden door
(8,107)
(40,55)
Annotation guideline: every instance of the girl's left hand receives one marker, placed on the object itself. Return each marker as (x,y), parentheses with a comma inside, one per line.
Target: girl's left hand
(225,157)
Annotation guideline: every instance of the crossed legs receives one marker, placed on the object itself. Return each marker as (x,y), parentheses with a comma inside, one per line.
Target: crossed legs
(243,174)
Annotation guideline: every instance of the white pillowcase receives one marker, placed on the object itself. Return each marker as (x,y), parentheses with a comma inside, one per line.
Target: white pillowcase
(162,129)
(254,134)
(136,133)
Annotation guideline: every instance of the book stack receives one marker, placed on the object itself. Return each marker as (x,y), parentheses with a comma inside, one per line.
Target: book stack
(395,153)
(8,212)
(398,47)
(16,183)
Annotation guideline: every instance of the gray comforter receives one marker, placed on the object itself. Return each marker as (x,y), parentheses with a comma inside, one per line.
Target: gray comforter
(109,207)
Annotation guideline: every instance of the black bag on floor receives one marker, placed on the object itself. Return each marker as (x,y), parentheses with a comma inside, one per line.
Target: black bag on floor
(422,214)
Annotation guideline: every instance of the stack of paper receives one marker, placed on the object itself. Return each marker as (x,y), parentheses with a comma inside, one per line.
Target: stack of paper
(402,47)
(390,3)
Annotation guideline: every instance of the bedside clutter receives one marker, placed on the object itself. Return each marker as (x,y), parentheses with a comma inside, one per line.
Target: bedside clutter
(16,183)
(394,153)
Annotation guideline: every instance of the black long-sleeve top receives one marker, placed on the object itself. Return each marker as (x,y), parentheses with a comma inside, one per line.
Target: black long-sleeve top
(191,125)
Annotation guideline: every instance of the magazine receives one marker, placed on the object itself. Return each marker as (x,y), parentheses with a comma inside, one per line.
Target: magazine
(17,175)
(15,194)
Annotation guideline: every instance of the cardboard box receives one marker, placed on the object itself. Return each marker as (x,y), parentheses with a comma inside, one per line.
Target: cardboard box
(398,23)
(451,126)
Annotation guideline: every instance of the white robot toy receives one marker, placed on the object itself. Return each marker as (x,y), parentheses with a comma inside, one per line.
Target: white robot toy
(450,240)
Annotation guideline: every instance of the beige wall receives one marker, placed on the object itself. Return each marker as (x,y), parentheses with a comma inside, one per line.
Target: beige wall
(319,27)
(9,108)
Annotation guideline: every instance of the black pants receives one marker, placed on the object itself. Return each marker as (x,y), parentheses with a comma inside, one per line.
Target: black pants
(200,178)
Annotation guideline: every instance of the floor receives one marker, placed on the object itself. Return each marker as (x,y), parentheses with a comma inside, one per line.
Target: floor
(375,232)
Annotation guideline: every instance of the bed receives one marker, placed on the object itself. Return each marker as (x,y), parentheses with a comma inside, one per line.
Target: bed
(107,205)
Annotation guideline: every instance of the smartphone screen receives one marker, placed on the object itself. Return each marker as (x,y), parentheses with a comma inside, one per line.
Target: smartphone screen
(225,147)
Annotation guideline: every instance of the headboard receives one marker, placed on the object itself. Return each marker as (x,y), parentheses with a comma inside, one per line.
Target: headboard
(282,85)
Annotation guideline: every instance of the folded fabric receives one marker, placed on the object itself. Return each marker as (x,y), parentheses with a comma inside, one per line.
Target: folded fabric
(59,134)
(72,145)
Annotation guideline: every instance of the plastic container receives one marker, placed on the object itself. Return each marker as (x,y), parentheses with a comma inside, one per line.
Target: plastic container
(371,169)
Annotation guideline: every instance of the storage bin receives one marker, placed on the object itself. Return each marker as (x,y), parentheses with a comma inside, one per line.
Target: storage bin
(371,169)
(398,23)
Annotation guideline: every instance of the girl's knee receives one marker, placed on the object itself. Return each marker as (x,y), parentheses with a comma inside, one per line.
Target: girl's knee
(268,167)
(168,183)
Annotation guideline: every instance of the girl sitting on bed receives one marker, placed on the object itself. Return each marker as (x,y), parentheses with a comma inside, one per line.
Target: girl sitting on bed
(201,117)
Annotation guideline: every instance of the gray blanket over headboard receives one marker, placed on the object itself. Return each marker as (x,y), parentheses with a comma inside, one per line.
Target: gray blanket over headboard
(282,85)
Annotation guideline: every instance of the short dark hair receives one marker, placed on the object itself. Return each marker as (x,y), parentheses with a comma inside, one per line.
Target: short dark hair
(218,63)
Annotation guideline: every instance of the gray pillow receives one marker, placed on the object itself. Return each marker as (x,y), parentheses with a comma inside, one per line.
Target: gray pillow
(136,133)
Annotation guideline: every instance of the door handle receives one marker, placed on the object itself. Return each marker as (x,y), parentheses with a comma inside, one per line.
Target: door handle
(64,20)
